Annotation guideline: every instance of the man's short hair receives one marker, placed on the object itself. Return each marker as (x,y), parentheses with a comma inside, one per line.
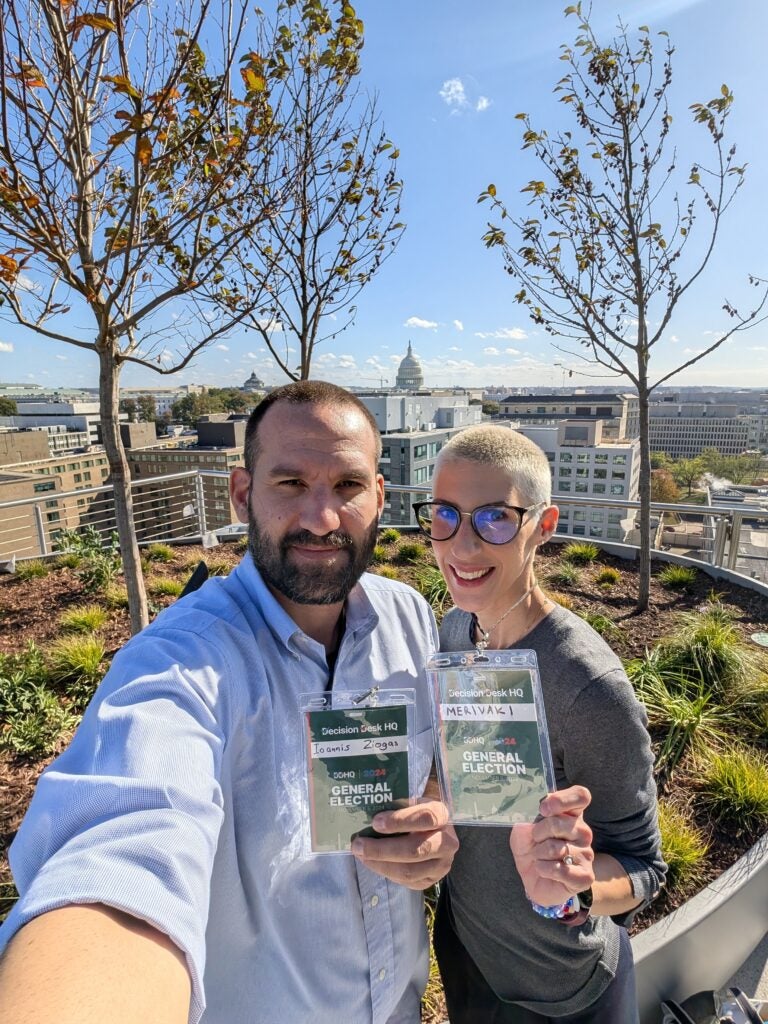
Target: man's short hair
(505,449)
(304,392)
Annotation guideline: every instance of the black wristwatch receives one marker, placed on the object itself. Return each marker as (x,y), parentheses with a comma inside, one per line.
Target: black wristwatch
(585,898)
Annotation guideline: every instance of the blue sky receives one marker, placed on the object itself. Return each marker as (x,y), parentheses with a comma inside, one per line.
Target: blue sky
(450,78)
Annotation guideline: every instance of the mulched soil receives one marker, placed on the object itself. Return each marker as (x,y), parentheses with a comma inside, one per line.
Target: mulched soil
(29,611)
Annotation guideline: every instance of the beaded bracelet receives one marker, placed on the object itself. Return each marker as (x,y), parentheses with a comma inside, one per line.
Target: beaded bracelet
(559,911)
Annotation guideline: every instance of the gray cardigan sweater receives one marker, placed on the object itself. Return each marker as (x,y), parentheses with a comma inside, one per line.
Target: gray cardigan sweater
(597,731)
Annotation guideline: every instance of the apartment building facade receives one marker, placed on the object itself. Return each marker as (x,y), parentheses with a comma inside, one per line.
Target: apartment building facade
(584,463)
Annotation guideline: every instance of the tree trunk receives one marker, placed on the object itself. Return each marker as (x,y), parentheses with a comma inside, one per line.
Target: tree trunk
(644,588)
(109,375)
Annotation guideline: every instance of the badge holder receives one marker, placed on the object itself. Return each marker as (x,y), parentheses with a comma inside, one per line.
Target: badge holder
(493,756)
(358,759)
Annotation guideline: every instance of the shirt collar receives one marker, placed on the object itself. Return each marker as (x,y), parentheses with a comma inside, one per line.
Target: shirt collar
(360,612)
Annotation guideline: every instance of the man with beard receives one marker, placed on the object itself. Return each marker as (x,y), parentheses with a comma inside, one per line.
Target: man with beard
(160,865)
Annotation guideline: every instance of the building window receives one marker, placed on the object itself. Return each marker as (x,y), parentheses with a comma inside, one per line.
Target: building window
(620,460)
(578,530)
(614,517)
(420,451)
(595,531)
(385,452)
(420,476)
(601,459)
(617,488)
(53,517)
(579,515)
(566,457)
(565,471)
(597,516)
(78,478)
(582,471)
(52,504)
(613,533)
(582,458)
(565,485)
(562,528)
(600,474)
(581,487)
(618,474)
(47,486)
(598,488)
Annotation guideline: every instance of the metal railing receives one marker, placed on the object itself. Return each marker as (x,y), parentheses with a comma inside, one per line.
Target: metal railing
(188,506)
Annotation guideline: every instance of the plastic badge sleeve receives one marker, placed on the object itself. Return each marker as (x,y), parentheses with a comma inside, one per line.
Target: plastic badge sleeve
(492,747)
(359,760)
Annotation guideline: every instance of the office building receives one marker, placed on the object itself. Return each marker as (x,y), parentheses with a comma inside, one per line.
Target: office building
(584,463)
(619,413)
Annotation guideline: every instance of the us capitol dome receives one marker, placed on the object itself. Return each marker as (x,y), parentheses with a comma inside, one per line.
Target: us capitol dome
(410,375)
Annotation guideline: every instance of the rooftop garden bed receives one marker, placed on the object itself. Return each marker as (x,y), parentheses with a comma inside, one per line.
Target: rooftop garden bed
(690,656)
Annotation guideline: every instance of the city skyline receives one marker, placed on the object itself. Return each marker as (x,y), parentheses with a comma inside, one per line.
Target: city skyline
(449,84)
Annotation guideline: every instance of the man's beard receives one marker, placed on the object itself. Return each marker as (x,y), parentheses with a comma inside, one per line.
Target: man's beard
(307,584)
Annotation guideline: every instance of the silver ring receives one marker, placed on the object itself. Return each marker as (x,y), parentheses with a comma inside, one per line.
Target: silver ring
(568,860)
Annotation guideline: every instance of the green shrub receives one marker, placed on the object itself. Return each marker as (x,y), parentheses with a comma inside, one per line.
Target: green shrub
(389,536)
(707,647)
(410,551)
(601,623)
(163,586)
(76,663)
(677,577)
(689,716)
(565,576)
(88,618)
(69,560)
(389,572)
(159,553)
(115,596)
(683,847)
(379,554)
(608,577)
(100,562)
(33,719)
(218,567)
(430,582)
(736,788)
(32,569)
(581,553)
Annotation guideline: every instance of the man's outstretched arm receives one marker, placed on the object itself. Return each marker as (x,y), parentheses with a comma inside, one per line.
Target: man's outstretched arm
(88,964)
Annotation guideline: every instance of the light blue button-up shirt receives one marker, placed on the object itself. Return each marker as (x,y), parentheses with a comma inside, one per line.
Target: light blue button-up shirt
(181,800)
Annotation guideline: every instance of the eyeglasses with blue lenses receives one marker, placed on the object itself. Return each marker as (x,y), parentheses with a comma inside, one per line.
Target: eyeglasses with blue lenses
(498,523)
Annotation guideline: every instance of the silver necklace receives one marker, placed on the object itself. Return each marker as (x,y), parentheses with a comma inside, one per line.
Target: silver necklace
(485,634)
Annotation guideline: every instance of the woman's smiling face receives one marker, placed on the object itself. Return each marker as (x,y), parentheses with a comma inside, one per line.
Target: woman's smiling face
(484,578)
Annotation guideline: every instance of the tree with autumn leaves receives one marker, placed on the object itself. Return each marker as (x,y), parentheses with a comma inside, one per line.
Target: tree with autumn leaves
(141,164)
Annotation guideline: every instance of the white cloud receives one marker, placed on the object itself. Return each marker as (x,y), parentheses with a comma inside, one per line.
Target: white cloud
(692,351)
(251,355)
(347,363)
(458,325)
(166,356)
(491,351)
(454,95)
(482,104)
(504,334)
(512,351)
(6,346)
(223,348)
(62,358)
(417,321)
(26,284)
(270,325)
(674,339)
(454,348)
(758,348)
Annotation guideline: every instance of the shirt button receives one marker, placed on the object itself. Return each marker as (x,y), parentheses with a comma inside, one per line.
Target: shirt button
(374,901)
(382,974)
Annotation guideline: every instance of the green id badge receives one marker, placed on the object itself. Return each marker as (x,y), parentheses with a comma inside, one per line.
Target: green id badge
(494,759)
(358,764)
